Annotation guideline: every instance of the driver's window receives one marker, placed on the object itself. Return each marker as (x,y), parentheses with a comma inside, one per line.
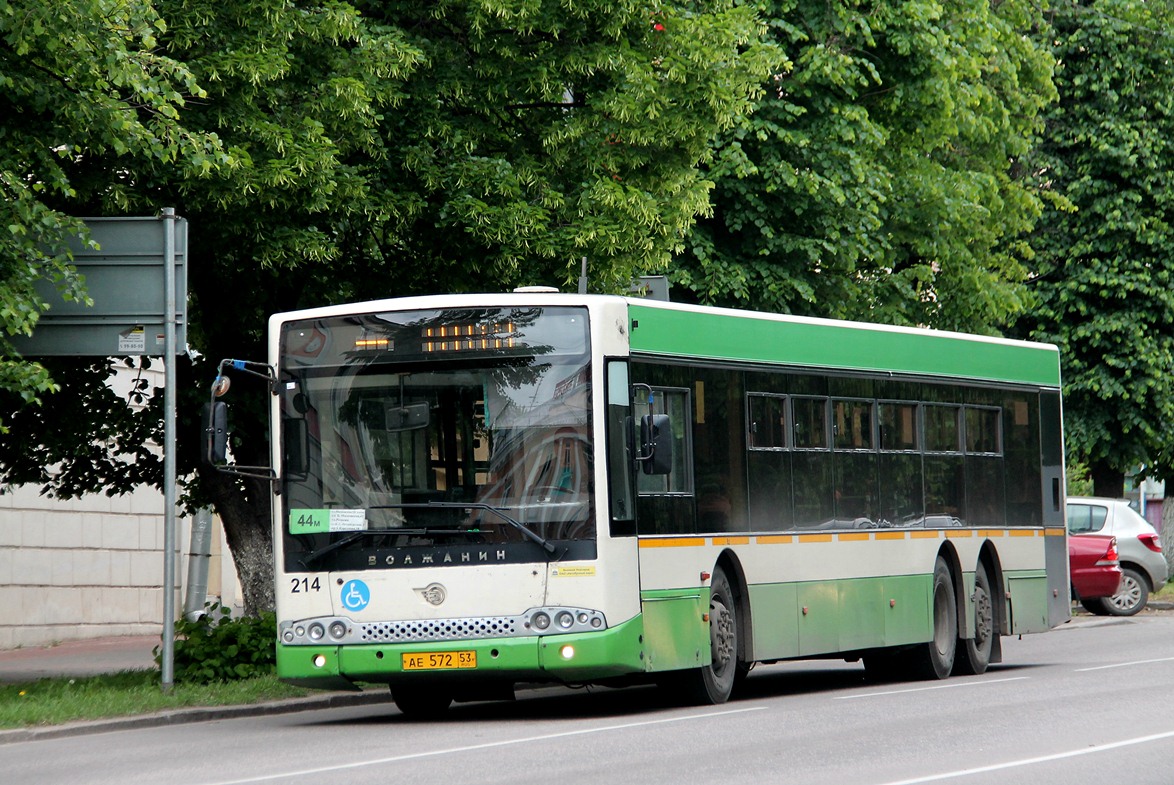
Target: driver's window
(675,403)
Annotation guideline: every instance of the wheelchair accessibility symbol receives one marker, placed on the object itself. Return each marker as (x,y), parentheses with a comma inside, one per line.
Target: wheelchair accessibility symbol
(355,595)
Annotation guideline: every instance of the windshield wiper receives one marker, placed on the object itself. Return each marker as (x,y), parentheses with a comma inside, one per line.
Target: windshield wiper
(546,544)
(318,553)
(395,531)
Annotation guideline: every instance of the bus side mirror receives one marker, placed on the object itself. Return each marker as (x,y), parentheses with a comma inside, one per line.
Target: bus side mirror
(656,444)
(215,433)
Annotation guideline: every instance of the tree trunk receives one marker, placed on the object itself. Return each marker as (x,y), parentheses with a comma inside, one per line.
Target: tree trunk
(244,511)
(1107,481)
(1167,531)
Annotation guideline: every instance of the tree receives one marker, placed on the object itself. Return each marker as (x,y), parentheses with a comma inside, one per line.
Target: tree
(78,81)
(879,179)
(1105,279)
(402,148)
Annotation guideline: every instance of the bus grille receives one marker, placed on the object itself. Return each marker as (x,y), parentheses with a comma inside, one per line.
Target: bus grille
(440,629)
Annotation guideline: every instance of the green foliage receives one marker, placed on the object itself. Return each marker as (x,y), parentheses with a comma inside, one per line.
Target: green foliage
(1105,279)
(81,85)
(216,647)
(1078,481)
(115,457)
(877,178)
(339,152)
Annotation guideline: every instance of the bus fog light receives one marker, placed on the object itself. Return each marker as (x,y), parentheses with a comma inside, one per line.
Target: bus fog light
(565,620)
(337,630)
(288,636)
(567,652)
(597,622)
(319,660)
(540,621)
(317,631)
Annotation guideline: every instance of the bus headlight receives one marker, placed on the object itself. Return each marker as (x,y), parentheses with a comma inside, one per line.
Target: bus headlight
(540,620)
(565,620)
(337,630)
(316,631)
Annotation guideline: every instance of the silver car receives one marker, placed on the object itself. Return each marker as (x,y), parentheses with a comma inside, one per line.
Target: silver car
(1143,565)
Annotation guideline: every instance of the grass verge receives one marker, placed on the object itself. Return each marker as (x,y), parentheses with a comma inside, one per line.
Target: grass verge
(57,701)
(1165,595)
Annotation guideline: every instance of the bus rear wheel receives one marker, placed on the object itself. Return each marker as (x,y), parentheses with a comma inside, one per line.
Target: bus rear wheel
(421,702)
(935,659)
(976,651)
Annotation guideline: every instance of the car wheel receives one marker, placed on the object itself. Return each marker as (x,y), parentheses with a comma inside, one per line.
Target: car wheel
(1095,606)
(1131,597)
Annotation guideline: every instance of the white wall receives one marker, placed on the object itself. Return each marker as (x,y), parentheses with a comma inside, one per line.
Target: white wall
(92,567)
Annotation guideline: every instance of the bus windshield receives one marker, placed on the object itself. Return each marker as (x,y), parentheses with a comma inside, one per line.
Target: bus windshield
(431,432)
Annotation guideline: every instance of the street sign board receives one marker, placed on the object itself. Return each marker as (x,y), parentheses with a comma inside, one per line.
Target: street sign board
(126,279)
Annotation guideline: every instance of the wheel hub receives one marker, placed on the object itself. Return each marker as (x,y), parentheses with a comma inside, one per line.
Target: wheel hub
(721,635)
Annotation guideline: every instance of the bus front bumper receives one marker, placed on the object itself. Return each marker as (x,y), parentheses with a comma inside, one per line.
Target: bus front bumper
(572,658)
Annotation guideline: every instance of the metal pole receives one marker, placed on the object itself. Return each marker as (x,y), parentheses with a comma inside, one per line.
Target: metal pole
(168,650)
(199,554)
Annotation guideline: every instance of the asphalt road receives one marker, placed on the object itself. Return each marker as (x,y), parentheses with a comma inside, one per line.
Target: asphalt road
(1090,703)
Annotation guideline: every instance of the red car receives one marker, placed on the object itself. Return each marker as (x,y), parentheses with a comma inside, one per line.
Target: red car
(1093,565)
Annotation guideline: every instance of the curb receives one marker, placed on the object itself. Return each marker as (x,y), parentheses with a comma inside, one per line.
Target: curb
(194,714)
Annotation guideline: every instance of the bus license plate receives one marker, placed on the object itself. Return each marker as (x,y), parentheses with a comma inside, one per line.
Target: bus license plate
(439,660)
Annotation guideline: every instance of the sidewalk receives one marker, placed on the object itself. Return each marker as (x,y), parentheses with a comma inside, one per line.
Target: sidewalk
(112,655)
(91,657)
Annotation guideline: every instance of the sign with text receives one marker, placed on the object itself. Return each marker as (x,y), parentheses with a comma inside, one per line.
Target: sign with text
(126,280)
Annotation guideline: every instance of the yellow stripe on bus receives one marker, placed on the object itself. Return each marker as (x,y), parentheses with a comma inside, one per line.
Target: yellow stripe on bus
(673,542)
(788,539)
(731,540)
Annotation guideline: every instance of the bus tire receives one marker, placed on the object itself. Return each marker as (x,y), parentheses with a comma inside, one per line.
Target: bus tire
(976,650)
(714,683)
(935,658)
(421,702)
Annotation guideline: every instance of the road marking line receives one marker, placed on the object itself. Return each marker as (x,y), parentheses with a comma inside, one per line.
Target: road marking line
(1030,761)
(474,747)
(950,686)
(1124,664)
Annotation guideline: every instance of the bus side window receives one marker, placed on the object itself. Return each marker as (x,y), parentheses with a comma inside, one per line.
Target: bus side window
(672,405)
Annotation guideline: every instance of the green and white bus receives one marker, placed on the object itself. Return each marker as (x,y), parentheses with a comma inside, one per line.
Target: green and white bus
(473,491)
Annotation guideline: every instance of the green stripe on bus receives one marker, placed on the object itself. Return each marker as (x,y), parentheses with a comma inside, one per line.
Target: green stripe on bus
(826,345)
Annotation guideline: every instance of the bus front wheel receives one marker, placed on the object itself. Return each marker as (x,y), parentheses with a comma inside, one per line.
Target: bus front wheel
(715,682)
(712,683)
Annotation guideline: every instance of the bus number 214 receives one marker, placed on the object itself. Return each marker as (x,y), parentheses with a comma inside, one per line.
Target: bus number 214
(305,585)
